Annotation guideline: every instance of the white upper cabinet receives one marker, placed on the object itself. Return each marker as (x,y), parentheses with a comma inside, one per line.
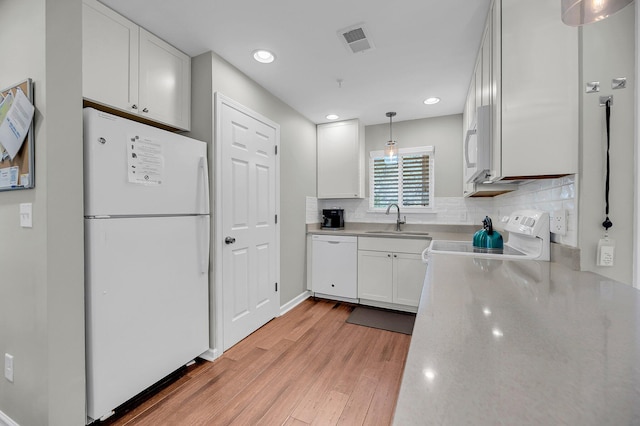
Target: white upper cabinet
(109,57)
(165,81)
(341,160)
(127,68)
(527,71)
(540,91)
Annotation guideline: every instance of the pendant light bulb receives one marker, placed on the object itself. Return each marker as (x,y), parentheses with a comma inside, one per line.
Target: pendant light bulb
(390,152)
(580,12)
(390,149)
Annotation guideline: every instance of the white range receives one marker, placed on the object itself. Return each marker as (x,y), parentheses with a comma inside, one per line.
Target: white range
(529,238)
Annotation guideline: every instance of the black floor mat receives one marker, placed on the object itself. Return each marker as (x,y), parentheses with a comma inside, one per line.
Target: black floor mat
(399,322)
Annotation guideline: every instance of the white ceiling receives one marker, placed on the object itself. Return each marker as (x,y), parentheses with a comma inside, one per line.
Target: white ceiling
(423,48)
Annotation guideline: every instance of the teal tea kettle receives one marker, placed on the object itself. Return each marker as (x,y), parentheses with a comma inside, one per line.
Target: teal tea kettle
(487,237)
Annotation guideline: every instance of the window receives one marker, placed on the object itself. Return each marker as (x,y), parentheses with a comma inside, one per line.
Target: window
(407,182)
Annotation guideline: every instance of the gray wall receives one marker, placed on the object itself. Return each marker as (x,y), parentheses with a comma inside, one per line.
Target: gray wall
(42,284)
(608,51)
(210,74)
(443,133)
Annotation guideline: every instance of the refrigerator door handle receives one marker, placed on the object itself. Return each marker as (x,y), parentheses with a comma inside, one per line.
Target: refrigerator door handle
(203,242)
(204,168)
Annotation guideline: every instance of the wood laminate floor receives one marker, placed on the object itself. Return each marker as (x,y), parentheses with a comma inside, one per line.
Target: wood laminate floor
(306,367)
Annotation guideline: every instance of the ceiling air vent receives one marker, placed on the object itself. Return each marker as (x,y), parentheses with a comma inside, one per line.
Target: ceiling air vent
(355,38)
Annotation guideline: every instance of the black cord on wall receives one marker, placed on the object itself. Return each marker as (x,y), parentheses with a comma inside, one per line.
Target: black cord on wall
(607,223)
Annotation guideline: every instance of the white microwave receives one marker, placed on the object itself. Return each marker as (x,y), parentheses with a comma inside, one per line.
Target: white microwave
(477,148)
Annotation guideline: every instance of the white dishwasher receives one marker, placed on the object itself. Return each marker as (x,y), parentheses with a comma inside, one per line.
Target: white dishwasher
(334,266)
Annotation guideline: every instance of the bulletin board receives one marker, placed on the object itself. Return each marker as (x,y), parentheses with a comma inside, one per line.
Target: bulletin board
(23,163)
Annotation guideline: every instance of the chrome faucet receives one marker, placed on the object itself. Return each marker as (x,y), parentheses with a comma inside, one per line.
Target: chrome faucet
(398,221)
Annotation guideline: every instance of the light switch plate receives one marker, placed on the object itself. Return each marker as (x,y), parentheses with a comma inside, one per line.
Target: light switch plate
(26,215)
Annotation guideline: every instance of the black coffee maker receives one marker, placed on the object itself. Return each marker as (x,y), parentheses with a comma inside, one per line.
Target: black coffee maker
(333,218)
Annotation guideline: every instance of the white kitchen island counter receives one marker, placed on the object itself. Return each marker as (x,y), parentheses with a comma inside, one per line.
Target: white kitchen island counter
(521,342)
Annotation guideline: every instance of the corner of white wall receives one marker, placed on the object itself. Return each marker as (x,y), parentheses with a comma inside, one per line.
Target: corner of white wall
(6,420)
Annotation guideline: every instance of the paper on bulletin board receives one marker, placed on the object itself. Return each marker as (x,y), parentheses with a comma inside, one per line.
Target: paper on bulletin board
(16,122)
(9,177)
(145,161)
(5,103)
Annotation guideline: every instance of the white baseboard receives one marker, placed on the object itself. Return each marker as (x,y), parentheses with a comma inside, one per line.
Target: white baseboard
(391,306)
(6,420)
(210,355)
(331,297)
(294,302)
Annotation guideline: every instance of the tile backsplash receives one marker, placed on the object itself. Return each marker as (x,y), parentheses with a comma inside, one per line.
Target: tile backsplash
(548,195)
(545,194)
(447,210)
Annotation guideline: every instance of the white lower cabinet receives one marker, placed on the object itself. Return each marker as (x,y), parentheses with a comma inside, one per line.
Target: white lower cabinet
(408,278)
(376,275)
(391,272)
(376,271)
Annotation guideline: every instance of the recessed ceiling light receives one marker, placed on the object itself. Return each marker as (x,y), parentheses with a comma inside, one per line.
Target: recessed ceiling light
(332,117)
(263,56)
(431,101)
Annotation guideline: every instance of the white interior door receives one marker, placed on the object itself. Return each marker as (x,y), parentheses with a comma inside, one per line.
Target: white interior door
(247,233)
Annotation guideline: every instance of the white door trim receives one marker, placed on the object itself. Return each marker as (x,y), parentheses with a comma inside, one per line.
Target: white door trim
(221,100)
(636,213)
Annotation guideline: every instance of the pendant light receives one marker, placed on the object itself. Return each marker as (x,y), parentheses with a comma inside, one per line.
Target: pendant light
(390,149)
(581,12)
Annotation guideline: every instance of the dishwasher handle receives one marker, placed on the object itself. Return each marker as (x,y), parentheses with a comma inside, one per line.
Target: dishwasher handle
(335,239)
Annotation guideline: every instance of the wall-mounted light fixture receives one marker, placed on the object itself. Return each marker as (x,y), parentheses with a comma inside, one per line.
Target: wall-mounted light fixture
(581,12)
(390,149)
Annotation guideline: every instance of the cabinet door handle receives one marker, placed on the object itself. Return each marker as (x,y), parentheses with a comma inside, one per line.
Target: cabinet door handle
(466,148)
(145,110)
(395,255)
(388,255)
(134,106)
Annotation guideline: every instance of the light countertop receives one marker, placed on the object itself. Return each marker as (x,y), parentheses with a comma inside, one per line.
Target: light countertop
(521,342)
(387,230)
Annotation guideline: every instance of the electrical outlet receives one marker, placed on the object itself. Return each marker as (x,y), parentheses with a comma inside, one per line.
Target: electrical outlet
(8,367)
(558,222)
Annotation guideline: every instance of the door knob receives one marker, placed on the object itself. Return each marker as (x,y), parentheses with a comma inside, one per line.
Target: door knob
(229,240)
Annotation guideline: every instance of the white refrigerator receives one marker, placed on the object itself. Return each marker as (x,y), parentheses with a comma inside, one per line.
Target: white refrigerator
(146,256)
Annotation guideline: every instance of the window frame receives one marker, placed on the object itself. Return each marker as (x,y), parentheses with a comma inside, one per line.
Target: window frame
(420,150)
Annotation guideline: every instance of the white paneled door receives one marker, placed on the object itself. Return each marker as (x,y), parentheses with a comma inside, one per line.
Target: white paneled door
(248,229)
